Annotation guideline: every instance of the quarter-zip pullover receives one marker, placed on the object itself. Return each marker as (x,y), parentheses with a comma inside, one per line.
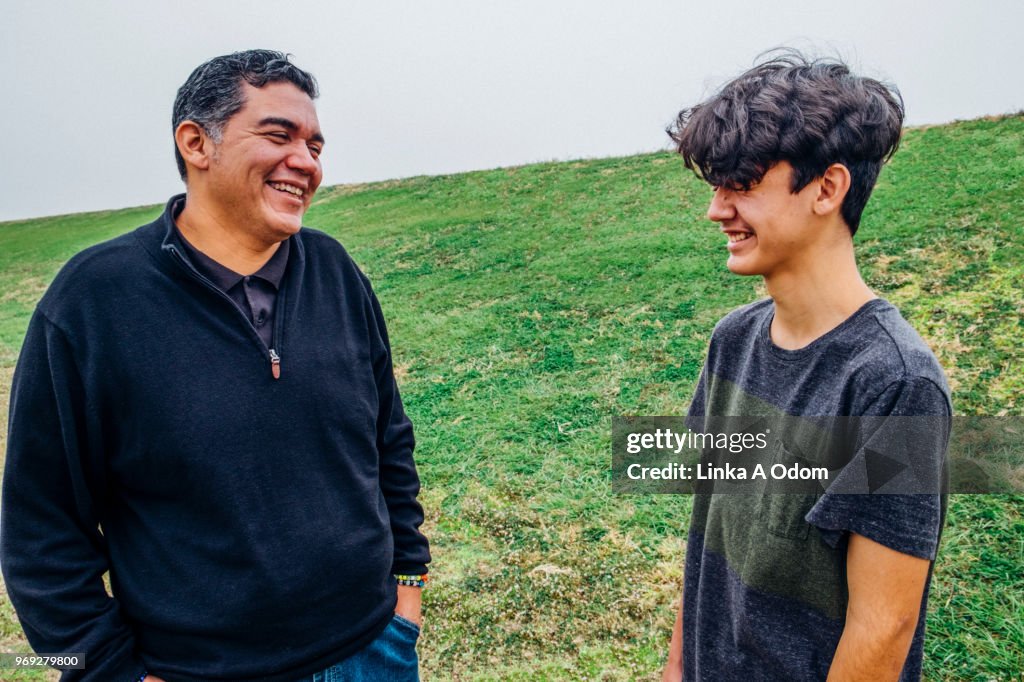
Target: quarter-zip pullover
(251,525)
(255,294)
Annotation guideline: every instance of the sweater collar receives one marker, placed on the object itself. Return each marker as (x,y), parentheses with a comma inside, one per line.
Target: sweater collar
(169,241)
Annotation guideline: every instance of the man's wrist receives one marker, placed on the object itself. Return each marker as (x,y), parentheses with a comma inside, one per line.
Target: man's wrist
(413,580)
(409,604)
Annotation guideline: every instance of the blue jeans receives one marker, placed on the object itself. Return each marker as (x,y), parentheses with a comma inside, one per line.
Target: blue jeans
(389,658)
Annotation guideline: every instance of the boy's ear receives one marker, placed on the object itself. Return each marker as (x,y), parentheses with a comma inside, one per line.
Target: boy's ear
(832,188)
(193,144)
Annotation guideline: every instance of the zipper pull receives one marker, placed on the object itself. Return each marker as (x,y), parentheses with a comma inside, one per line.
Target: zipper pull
(275,364)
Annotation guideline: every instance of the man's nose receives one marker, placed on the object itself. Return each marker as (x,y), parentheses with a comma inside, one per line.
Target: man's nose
(721,207)
(302,160)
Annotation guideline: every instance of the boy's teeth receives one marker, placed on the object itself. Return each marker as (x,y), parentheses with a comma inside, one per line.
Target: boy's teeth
(738,237)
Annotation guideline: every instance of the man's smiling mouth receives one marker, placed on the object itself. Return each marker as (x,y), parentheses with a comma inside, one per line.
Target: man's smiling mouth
(291,189)
(738,236)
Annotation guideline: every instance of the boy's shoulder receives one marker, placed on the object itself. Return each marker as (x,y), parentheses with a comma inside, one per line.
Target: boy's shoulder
(903,345)
(881,348)
(897,360)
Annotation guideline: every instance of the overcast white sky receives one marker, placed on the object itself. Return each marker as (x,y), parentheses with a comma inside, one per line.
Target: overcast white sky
(412,88)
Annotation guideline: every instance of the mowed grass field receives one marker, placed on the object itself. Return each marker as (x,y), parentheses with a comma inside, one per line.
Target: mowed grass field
(528,305)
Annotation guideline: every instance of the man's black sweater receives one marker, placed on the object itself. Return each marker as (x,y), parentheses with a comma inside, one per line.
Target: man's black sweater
(251,525)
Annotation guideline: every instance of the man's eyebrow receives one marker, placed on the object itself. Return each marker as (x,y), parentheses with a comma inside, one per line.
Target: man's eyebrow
(287,124)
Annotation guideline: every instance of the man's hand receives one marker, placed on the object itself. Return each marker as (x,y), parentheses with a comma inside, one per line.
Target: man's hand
(674,667)
(409,603)
(886,588)
(408,607)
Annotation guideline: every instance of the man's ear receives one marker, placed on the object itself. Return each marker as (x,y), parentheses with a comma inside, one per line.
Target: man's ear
(832,189)
(193,144)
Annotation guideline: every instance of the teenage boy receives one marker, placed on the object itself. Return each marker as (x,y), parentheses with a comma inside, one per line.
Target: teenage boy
(824,584)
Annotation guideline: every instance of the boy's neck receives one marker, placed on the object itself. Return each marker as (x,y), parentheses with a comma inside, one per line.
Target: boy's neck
(816,298)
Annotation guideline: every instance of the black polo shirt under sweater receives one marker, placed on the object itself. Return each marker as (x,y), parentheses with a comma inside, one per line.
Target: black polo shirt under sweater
(255,294)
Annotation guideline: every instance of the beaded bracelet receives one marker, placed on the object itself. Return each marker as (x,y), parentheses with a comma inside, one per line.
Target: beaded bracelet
(411,580)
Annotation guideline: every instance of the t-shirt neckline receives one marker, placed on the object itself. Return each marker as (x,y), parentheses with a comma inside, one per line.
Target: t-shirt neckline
(815,345)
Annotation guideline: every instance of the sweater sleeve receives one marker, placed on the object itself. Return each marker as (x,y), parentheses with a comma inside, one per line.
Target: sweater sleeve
(51,549)
(398,478)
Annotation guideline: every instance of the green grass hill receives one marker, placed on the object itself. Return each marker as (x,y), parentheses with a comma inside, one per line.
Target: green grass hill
(528,305)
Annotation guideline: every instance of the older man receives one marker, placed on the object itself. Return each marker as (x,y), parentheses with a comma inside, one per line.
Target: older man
(205,408)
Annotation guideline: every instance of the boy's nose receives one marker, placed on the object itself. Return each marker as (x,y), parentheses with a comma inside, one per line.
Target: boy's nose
(721,207)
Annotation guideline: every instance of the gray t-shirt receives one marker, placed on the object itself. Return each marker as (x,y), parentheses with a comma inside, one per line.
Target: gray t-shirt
(765,592)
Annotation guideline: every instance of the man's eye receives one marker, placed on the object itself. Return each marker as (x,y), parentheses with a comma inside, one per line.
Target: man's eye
(278,136)
(315,151)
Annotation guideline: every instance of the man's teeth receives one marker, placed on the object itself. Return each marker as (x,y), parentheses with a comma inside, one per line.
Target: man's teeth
(734,237)
(287,188)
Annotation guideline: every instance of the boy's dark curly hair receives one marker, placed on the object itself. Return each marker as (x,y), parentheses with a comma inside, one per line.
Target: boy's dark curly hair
(810,113)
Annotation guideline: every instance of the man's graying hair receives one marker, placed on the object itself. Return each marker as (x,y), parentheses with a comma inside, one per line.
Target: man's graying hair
(810,113)
(213,93)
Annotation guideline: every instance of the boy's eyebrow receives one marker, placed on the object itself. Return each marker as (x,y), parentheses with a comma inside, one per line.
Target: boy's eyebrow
(288,124)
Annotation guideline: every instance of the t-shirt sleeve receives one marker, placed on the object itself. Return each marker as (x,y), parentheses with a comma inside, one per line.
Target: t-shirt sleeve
(892,489)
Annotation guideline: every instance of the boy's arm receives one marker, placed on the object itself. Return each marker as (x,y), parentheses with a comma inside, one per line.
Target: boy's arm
(674,666)
(886,588)
(695,416)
